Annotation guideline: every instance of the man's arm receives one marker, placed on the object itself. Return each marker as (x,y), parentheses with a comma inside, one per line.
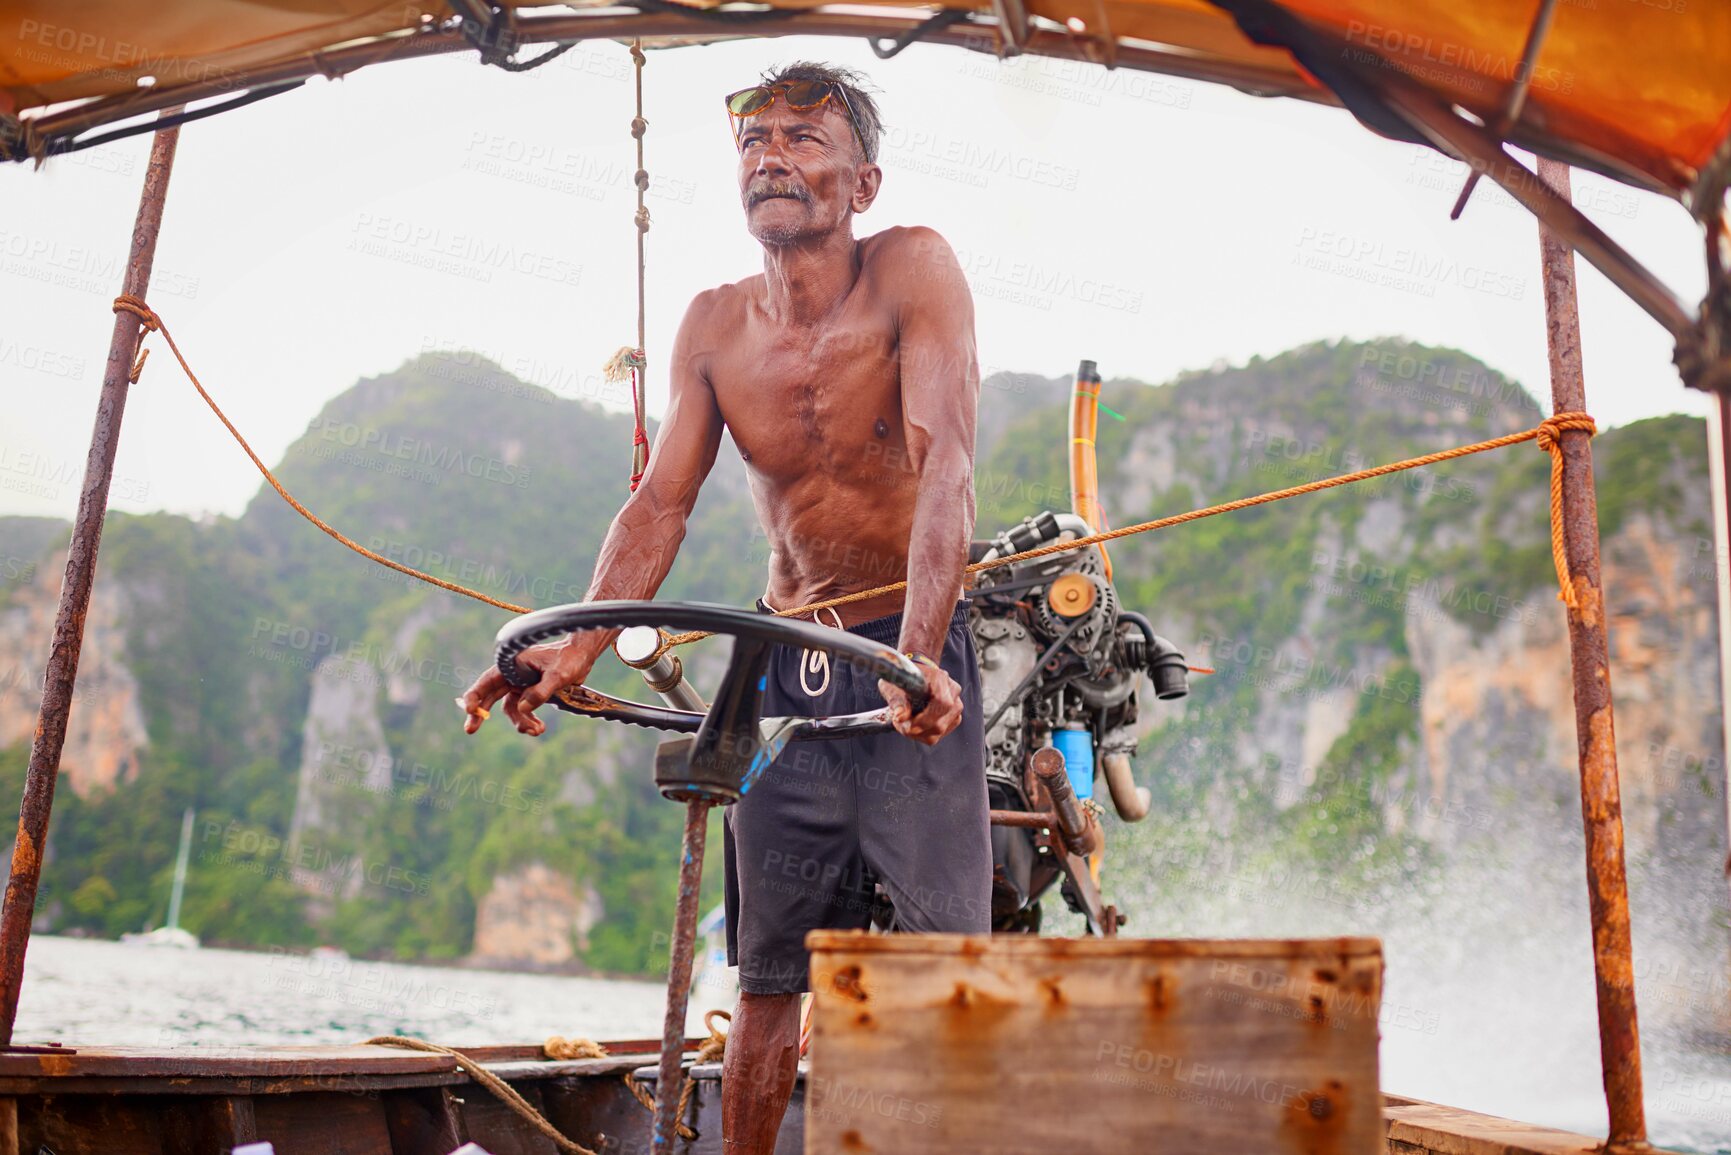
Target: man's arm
(642,542)
(940,381)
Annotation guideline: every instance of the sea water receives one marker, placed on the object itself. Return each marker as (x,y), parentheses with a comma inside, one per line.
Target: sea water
(79,991)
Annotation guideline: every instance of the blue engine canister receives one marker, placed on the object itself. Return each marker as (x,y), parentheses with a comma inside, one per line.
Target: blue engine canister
(1077,747)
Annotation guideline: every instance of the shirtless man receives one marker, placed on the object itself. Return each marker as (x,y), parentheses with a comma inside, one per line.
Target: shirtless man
(846,374)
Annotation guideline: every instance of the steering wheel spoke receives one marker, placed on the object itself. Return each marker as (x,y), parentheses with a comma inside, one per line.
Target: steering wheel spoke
(837,726)
(595,704)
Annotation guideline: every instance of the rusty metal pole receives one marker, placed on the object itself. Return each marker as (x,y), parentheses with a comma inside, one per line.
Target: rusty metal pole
(667,1080)
(68,639)
(1589,661)
(1719,460)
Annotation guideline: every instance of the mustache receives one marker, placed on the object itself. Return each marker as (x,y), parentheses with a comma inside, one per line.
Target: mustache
(770,189)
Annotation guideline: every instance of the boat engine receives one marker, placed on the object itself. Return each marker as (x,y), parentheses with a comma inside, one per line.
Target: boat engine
(1061,664)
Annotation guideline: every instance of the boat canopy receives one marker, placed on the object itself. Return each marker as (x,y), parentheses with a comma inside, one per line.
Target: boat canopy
(1639,90)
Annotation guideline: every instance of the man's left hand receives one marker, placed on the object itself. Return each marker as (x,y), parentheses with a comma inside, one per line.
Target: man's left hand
(941,715)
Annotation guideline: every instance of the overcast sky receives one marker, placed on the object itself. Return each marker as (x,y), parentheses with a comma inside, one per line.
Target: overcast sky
(1150,224)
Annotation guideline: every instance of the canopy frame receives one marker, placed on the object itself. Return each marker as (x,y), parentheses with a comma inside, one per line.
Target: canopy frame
(1386,100)
(1389,102)
(51,132)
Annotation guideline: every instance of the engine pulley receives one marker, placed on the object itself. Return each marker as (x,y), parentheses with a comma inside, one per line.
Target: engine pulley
(1072,595)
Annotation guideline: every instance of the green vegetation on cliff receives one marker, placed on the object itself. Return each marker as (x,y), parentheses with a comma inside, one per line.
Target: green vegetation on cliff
(457,468)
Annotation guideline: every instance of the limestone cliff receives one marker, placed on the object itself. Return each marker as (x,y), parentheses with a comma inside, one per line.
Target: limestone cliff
(345,768)
(1391,692)
(105,732)
(534,916)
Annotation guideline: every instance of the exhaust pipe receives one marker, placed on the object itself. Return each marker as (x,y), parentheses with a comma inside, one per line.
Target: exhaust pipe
(1084,471)
(1131,801)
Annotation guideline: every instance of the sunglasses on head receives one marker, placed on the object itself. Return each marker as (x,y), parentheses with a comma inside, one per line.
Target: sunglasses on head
(801,96)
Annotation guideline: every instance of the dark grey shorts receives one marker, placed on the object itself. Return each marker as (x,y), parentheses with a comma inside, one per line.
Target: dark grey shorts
(829,819)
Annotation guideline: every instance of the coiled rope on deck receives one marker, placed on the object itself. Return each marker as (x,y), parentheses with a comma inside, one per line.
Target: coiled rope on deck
(1548,435)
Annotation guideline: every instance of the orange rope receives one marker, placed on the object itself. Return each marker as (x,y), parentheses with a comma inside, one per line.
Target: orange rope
(151,322)
(1547,433)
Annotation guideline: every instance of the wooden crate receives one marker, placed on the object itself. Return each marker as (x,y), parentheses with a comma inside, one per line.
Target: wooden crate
(963,1043)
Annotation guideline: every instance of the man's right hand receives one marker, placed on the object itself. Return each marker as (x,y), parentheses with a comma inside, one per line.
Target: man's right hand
(560,664)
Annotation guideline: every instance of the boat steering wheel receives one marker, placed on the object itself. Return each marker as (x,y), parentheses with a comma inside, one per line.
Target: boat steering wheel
(733,742)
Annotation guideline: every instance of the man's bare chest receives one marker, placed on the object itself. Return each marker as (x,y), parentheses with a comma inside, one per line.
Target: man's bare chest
(795,402)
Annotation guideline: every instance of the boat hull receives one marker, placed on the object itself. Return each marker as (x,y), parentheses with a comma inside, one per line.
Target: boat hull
(382,1101)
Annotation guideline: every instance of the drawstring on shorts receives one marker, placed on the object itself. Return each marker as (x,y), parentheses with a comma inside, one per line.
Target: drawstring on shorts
(814,661)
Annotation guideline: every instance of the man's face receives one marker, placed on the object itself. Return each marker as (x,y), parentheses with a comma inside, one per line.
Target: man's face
(801,172)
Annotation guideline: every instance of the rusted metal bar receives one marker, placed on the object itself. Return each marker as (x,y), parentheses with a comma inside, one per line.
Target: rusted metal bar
(1719,458)
(1449,133)
(979,35)
(1517,99)
(1590,664)
(667,1080)
(1025,819)
(1012,17)
(1075,826)
(68,638)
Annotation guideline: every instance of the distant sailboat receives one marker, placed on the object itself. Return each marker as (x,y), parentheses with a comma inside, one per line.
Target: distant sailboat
(172,935)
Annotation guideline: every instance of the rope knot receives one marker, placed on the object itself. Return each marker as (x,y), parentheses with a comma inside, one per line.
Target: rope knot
(147,320)
(619,366)
(638,127)
(127,303)
(1549,439)
(1552,428)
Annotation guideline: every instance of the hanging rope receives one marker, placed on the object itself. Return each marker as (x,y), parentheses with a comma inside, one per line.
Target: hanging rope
(151,322)
(559,1048)
(629,362)
(1547,433)
(505,1092)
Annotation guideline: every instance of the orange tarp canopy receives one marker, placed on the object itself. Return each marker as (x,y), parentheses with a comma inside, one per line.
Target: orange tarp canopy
(1644,86)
